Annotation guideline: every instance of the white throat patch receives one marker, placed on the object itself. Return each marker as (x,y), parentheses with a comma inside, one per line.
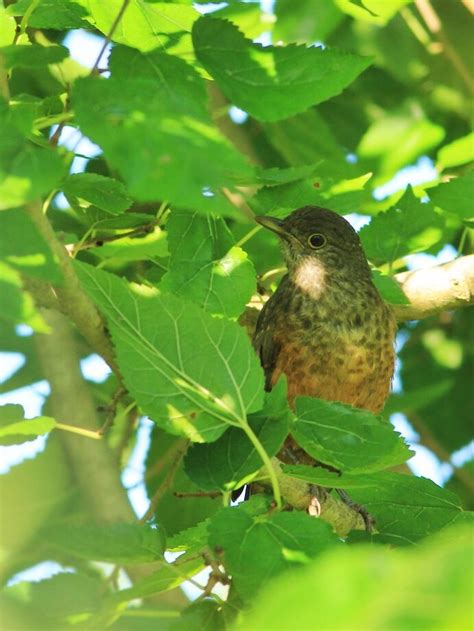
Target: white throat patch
(310,277)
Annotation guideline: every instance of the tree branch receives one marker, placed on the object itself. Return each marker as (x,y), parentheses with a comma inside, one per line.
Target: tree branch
(299,494)
(71,298)
(436,289)
(93,464)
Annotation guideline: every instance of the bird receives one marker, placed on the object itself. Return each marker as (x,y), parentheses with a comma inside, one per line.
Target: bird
(326,327)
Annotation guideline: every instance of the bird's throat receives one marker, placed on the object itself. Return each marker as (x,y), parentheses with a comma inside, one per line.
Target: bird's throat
(309,275)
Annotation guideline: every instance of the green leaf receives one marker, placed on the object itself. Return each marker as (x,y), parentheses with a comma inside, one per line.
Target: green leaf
(176,514)
(407,508)
(366,588)
(166,577)
(409,226)
(271,83)
(7,28)
(17,304)
(396,140)
(148,247)
(203,615)
(33,491)
(192,539)
(276,176)
(166,135)
(84,189)
(256,548)
(52,14)
(440,358)
(32,55)
(24,249)
(389,289)
(194,394)
(112,543)
(67,594)
(28,174)
(204,267)
(329,479)
(350,439)
(147,25)
(305,21)
(15,429)
(232,461)
(460,151)
(456,196)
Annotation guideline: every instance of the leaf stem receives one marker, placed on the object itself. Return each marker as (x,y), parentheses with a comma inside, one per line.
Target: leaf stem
(89,433)
(266,461)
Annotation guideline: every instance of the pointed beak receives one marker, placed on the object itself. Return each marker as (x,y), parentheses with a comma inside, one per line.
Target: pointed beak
(273,224)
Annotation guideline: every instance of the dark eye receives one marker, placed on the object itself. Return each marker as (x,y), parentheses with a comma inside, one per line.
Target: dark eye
(316,241)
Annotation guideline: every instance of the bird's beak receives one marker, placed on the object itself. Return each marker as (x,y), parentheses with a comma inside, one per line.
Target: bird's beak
(273,224)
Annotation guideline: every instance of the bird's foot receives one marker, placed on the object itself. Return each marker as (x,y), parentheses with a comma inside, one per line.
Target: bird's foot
(369,521)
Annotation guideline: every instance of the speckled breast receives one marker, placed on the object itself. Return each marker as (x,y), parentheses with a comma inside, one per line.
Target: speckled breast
(339,352)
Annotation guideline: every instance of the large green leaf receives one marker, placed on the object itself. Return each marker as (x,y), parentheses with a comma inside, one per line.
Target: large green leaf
(23,247)
(164,140)
(258,547)
(397,140)
(166,577)
(17,304)
(106,193)
(456,196)
(460,151)
(52,14)
(232,460)
(32,56)
(271,83)
(114,543)
(409,226)
(347,438)
(15,429)
(204,267)
(146,25)
(32,490)
(406,508)
(367,588)
(192,374)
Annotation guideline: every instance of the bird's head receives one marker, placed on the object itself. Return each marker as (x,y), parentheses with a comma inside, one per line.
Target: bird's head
(314,237)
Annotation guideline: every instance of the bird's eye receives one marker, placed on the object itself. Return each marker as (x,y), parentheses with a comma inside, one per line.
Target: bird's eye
(316,241)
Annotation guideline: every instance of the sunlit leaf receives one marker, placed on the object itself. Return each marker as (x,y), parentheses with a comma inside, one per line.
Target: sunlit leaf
(194,394)
(272,83)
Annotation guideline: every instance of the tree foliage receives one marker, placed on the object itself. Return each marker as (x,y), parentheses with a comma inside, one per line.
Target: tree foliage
(147,256)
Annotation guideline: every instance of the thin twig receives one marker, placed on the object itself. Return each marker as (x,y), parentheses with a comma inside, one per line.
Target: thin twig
(94,243)
(211,494)
(108,37)
(160,464)
(165,485)
(112,410)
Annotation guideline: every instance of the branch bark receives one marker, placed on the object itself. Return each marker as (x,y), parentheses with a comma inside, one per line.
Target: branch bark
(93,464)
(436,289)
(298,494)
(71,298)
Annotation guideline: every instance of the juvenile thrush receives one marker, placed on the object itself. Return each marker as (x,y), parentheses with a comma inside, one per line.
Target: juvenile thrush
(326,327)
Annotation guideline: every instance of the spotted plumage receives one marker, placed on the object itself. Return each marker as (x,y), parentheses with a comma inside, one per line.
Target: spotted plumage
(326,327)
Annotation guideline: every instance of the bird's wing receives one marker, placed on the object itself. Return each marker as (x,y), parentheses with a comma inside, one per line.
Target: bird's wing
(267,346)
